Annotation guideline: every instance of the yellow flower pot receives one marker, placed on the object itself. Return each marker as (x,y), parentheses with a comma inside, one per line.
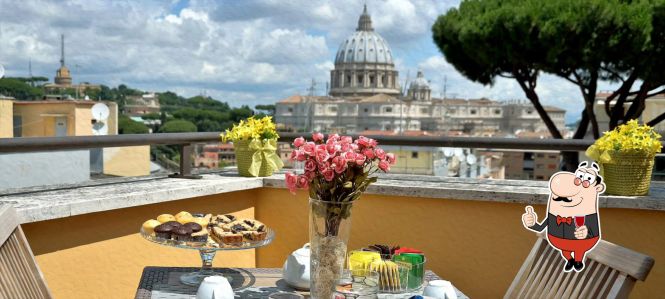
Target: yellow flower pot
(257,158)
(627,174)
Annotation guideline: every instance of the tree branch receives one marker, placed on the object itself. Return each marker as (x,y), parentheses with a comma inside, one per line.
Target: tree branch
(656,120)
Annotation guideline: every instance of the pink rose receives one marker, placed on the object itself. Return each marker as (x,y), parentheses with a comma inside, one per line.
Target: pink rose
(353,146)
(293,156)
(308,148)
(350,156)
(360,159)
(334,137)
(291,182)
(362,141)
(310,165)
(390,157)
(329,174)
(323,166)
(333,148)
(321,153)
(383,165)
(380,153)
(298,142)
(344,147)
(339,164)
(317,137)
(300,156)
(369,153)
(303,182)
(373,142)
(346,139)
(310,175)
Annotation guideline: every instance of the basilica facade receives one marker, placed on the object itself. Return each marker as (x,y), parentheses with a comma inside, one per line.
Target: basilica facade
(365,95)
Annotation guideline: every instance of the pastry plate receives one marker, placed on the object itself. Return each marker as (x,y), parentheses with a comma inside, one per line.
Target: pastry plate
(210,244)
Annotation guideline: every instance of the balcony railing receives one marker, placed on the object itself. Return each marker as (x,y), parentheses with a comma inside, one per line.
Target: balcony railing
(185,142)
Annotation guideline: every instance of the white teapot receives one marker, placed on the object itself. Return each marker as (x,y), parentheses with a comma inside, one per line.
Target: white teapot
(296,268)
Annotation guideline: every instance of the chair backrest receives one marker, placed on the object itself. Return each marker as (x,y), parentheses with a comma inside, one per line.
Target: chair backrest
(610,272)
(19,275)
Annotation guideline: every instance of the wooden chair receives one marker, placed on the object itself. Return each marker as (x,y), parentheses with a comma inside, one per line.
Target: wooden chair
(19,275)
(610,272)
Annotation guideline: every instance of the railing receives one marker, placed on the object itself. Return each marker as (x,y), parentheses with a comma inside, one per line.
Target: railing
(185,142)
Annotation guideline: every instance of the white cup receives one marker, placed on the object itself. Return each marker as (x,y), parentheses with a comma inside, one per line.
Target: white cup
(439,289)
(217,286)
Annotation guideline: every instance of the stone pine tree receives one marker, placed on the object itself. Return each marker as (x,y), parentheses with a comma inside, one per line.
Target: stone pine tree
(582,41)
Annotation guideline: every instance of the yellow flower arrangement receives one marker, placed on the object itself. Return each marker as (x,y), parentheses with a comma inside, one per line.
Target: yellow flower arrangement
(629,138)
(251,129)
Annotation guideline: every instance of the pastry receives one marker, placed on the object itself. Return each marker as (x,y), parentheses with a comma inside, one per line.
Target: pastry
(203,220)
(254,225)
(195,227)
(236,226)
(222,219)
(149,226)
(174,224)
(185,218)
(200,236)
(197,215)
(182,233)
(165,218)
(163,231)
(183,214)
(254,235)
(224,237)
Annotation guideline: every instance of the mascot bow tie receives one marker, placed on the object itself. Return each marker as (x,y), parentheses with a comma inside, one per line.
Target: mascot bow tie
(567,220)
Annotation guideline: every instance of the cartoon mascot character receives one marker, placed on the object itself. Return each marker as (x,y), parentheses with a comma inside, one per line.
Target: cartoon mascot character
(572,221)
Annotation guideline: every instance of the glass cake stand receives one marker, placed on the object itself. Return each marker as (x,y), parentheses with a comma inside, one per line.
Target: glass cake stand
(207,251)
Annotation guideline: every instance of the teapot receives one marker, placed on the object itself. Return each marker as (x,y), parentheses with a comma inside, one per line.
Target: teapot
(296,268)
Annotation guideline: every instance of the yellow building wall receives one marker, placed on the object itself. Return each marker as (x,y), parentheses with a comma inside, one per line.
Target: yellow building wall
(101,255)
(652,109)
(6,119)
(466,242)
(83,123)
(38,119)
(405,162)
(127,161)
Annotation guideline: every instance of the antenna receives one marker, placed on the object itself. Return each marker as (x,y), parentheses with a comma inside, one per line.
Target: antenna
(406,82)
(2,71)
(62,50)
(312,88)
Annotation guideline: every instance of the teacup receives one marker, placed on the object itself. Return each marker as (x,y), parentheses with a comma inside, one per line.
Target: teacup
(438,289)
(217,287)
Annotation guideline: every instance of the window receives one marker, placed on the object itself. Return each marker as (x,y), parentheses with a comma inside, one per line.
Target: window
(540,155)
(366,110)
(472,111)
(290,109)
(348,80)
(424,110)
(497,111)
(18,126)
(360,79)
(552,156)
(414,155)
(529,111)
(452,111)
(371,80)
(540,177)
(388,109)
(332,109)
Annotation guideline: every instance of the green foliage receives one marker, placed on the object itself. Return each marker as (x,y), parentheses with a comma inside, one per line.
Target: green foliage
(151,116)
(265,109)
(128,126)
(20,89)
(177,126)
(583,41)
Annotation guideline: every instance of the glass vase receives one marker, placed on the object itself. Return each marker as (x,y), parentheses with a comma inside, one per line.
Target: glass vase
(329,228)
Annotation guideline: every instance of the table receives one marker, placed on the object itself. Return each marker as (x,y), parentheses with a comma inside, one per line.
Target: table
(164,283)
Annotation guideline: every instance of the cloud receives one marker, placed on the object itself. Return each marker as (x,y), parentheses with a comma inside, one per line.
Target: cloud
(244,52)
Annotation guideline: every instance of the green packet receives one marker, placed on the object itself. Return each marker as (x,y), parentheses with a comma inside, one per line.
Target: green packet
(416,266)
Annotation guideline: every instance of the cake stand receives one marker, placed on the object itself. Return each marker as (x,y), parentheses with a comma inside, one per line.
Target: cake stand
(207,252)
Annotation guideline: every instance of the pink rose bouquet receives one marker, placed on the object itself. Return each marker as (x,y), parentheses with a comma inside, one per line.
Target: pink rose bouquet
(339,168)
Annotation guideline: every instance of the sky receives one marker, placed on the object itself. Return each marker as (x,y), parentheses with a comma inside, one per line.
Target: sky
(242,52)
